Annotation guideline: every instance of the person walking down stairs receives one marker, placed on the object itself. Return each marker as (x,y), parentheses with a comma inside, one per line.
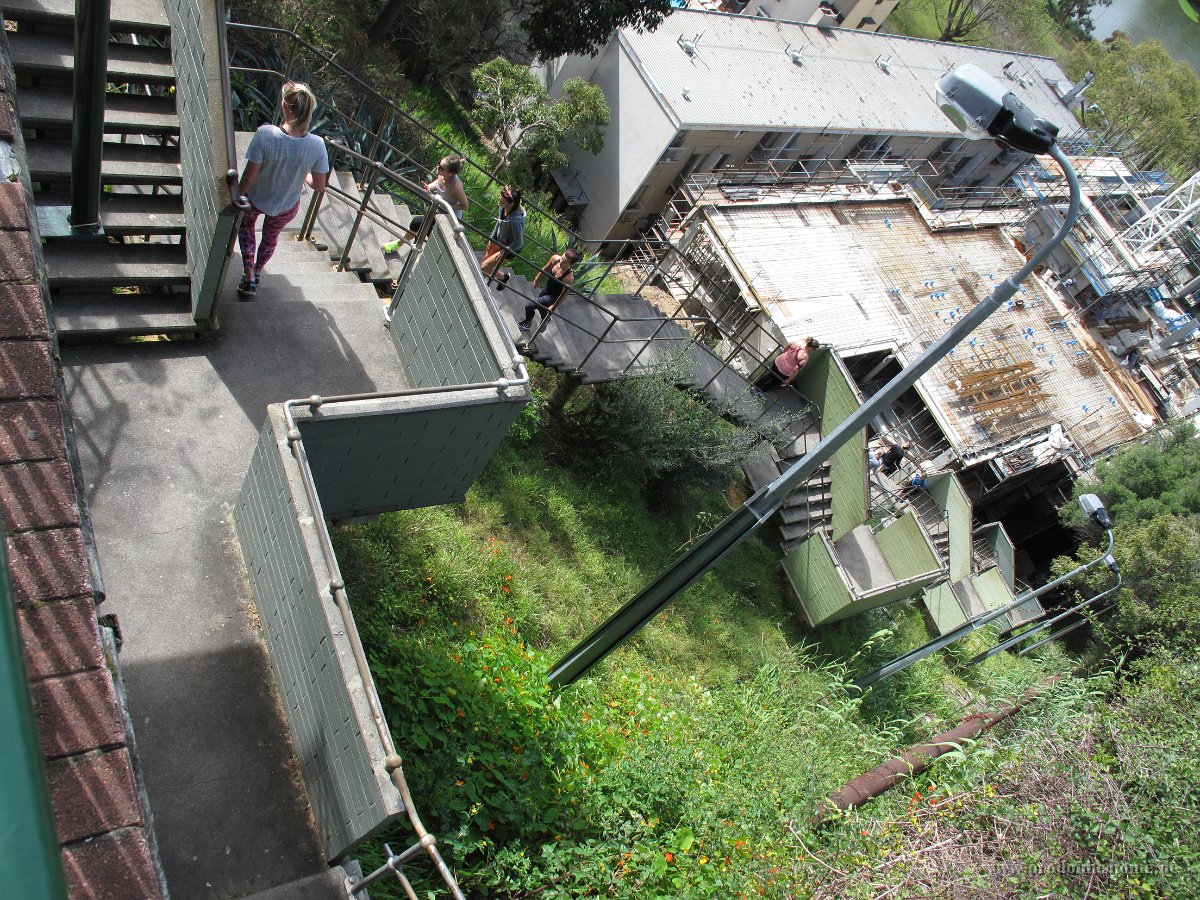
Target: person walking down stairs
(507,238)
(559,274)
(279,162)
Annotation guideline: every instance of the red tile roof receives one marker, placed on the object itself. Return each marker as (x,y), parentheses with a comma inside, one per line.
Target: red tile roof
(98,813)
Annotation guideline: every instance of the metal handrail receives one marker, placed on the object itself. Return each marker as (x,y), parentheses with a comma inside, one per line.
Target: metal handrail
(434,202)
(393,109)
(231,172)
(393,762)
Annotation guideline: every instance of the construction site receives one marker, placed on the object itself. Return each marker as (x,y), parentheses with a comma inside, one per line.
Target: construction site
(1092,352)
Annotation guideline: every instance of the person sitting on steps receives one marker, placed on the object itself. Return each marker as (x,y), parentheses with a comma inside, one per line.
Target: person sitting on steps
(559,274)
(787,364)
(448,186)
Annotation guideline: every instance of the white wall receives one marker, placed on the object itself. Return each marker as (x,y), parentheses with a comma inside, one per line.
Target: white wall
(640,132)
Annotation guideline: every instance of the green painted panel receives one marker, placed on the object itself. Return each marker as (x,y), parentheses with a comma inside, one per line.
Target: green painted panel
(816,580)
(993,592)
(29,852)
(1002,550)
(948,492)
(425,454)
(436,325)
(339,752)
(905,548)
(944,608)
(826,383)
(883,598)
(193,49)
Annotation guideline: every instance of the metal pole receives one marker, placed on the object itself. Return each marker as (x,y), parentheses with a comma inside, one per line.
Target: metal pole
(1041,626)
(28,844)
(1054,637)
(87,141)
(903,662)
(739,525)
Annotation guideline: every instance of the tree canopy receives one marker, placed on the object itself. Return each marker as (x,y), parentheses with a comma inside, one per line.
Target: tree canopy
(1159,476)
(1147,102)
(519,115)
(448,38)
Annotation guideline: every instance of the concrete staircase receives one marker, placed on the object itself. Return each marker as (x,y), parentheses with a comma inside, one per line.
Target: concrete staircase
(810,507)
(132,280)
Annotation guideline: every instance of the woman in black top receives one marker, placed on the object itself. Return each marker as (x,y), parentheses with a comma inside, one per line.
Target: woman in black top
(559,275)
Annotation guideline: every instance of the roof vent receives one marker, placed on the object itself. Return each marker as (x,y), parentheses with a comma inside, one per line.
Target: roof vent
(690,45)
(885,63)
(795,54)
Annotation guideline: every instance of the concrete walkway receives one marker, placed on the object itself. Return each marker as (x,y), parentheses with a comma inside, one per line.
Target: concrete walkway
(165,432)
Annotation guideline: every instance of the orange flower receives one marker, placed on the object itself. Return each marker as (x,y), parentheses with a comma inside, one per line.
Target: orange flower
(669,856)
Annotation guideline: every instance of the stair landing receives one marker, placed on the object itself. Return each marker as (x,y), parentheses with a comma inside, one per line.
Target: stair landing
(166,431)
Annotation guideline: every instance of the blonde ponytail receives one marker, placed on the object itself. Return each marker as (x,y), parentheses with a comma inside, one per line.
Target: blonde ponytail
(299,103)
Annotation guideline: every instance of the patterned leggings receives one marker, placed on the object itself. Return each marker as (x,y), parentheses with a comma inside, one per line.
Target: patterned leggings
(272,227)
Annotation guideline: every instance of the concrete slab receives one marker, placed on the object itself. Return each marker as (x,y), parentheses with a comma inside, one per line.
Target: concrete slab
(165,434)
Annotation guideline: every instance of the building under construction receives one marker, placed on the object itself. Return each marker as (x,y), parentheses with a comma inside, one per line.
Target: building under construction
(877,265)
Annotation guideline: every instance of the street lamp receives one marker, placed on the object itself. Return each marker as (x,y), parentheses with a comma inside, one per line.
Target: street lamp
(1095,511)
(973,99)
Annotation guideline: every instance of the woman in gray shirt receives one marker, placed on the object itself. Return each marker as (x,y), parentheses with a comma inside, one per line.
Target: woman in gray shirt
(279,162)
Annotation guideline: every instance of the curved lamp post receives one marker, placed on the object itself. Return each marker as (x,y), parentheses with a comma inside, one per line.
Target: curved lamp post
(981,106)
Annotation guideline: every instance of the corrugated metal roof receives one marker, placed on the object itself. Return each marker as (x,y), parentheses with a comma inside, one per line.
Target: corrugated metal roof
(742,76)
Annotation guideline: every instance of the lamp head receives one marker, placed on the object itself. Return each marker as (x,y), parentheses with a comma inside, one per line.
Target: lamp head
(1094,509)
(980,106)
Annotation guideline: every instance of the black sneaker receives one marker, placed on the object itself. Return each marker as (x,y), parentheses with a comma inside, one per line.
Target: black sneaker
(523,326)
(501,281)
(248,287)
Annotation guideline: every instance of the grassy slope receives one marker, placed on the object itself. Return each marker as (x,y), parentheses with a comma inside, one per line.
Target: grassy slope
(704,737)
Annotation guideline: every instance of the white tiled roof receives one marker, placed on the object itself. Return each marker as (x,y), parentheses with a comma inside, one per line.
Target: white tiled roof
(742,76)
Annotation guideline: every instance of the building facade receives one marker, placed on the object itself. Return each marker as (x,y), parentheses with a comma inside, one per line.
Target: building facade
(716,93)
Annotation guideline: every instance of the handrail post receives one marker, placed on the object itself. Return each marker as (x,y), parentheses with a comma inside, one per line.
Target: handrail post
(595,346)
(362,209)
(87,142)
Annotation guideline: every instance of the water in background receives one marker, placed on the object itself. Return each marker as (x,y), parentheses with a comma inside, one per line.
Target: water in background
(1160,20)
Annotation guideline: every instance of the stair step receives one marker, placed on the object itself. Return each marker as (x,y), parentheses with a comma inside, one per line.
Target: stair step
(47,54)
(131,214)
(80,317)
(121,164)
(115,265)
(126,16)
(123,113)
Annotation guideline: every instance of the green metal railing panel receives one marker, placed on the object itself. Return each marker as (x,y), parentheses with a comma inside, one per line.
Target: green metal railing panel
(826,383)
(331,725)
(993,592)
(435,327)
(950,496)
(29,853)
(421,455)
(906,548)
(819,585)
(196,62)
(883,597)
(1002,550)
(944,608)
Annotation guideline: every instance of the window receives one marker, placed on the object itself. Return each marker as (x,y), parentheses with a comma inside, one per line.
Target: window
(635,202)
(722,161)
